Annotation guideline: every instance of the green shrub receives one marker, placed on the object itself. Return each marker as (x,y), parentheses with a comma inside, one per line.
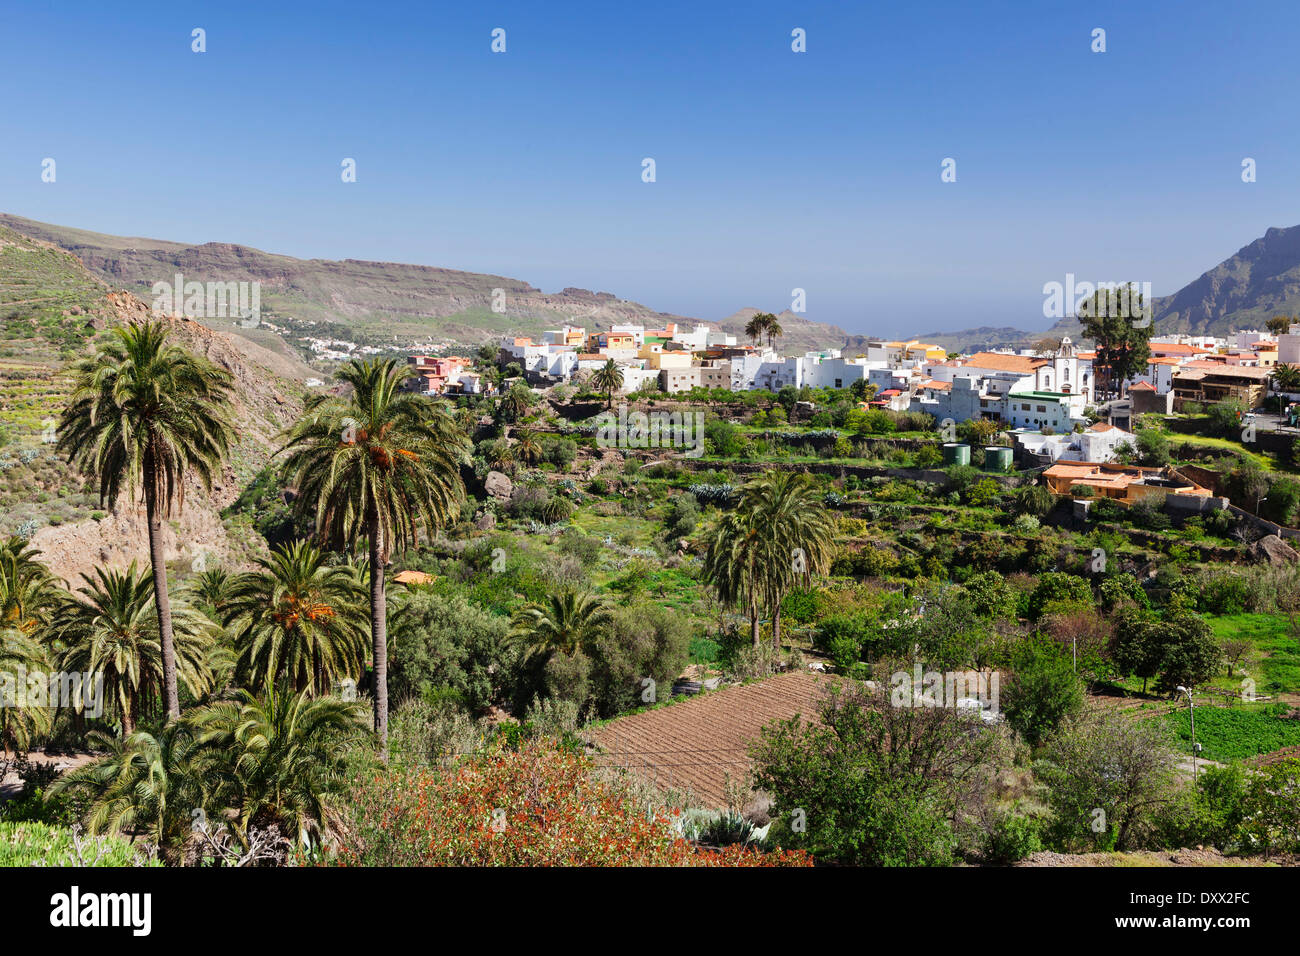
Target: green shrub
(36,844)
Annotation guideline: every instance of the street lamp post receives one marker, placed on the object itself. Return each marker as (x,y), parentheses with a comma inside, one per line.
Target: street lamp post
(1191,713)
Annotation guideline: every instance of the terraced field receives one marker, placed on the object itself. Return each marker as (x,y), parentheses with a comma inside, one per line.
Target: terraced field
(699,744)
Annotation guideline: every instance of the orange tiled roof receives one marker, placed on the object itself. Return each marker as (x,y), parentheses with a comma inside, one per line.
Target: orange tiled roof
(1000,362)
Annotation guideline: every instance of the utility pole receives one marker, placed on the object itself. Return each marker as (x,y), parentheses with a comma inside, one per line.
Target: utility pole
(1191,713)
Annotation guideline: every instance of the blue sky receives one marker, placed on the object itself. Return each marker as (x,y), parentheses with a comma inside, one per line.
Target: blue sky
(775,170)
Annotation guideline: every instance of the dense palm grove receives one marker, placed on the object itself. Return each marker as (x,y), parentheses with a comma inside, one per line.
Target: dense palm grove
(309,706)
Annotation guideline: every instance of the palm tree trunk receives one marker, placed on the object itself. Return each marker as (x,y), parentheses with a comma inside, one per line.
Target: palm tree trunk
(379,632)
(776,627)
(161,602)
(753,625)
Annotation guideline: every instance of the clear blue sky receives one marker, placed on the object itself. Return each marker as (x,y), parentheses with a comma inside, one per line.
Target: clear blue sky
(775,169)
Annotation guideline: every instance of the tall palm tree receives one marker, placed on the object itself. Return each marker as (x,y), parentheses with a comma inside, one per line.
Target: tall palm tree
(27,590)
(112,629)
(608,379)
(565,624)
(796,535)
(779,533)
(757,326)
(382,463)
(774,331)
(145,414)
(298,619)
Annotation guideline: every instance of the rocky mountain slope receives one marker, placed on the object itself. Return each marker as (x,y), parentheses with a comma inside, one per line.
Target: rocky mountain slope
(377,302)
(1261,280)
(52,309)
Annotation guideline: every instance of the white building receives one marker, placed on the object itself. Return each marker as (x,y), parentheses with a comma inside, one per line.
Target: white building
(1097,443)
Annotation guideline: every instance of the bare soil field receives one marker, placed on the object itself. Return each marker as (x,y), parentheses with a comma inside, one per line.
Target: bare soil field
(700,743)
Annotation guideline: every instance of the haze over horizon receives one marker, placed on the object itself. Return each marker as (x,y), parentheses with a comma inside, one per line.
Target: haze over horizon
(775,169)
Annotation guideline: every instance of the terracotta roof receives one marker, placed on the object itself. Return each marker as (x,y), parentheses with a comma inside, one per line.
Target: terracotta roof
(1001,362)
(1230,371)
(1102,426)
(1142,387)
(937,386)
(1177,348)
(412,577)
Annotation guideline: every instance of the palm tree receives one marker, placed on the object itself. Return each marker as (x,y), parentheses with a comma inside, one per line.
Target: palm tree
(298,619)
(145,786)
(608,379)
(211,588)
(567,623)
(1286,378)
(26,588)
(19,654)
(796,535)
(112,629)
(774,331)
(382,463)
(530,449)
(731,565)
(148,413)
(757,326)
(778,534)
(275,758)
(514,403)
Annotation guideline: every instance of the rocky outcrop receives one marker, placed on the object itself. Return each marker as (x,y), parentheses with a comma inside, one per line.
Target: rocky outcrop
(498,486)
(1273,550)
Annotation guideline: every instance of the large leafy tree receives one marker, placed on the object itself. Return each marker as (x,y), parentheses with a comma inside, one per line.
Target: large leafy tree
(608,379)
(145,414)
(297,619)
(111,629)
(382,463)
(1115,320)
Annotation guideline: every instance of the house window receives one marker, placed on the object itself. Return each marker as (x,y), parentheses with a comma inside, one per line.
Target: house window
(1042,408)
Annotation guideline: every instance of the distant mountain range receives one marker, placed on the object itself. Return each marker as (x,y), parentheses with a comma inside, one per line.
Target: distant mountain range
(1242,292)
(384,302)
(378,302)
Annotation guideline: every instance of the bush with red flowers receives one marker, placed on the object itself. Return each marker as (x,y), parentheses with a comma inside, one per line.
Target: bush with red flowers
(538,805)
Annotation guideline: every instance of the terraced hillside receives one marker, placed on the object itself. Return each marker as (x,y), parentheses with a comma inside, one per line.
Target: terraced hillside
(377,302)
(54,310)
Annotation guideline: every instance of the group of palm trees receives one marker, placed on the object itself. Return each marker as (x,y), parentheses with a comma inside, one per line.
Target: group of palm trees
(378,468)
(779,534)
(764,324)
